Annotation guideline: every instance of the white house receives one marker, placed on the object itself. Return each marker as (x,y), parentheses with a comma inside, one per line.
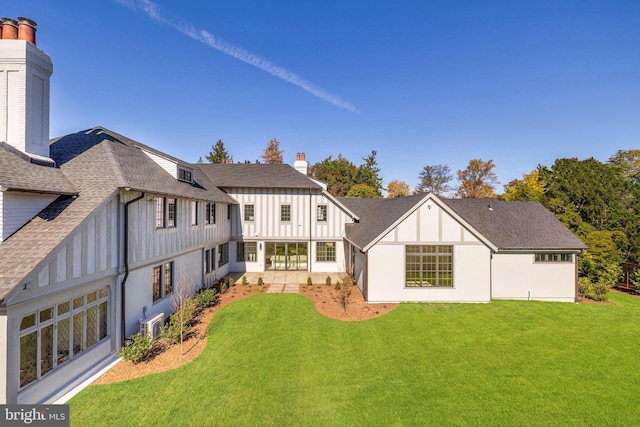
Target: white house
(98,231)
(426,249)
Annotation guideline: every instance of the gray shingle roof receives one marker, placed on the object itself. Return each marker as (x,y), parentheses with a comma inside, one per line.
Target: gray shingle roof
(507,225)
(133,168)
(246,175)
(376,216)
(516,225)
(97,162)
(17,173)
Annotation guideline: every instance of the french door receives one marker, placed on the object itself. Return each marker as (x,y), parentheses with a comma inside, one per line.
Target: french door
(286,256)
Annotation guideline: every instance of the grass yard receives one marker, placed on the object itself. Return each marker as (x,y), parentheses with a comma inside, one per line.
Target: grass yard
(273,360)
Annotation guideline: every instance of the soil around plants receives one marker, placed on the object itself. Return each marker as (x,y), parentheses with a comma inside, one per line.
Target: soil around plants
(325,298)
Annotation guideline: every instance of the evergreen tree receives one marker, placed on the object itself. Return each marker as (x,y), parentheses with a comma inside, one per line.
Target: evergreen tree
(218,154)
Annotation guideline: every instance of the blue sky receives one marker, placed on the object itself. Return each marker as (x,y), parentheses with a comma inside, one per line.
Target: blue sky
(422,82)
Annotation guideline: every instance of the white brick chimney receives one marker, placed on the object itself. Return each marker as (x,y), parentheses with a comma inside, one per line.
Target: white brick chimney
(301,164)
(25,71)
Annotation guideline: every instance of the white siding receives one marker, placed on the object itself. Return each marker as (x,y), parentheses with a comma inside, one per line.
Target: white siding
(428,225)
(166,164)
(517,276)
(386,276)
(19,208)
(303,227)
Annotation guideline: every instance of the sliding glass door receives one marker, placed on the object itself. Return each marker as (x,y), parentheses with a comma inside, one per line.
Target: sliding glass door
(286,256)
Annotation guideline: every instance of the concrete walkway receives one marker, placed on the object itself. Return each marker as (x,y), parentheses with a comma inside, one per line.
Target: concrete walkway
(286,281)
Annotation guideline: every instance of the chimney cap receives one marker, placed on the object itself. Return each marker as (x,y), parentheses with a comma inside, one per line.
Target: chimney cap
(6,20)
(28,21)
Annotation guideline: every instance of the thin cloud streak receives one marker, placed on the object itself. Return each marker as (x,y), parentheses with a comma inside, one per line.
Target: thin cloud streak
(153,11)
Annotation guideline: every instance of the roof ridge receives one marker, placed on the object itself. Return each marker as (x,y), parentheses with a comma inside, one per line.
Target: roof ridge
(114,165)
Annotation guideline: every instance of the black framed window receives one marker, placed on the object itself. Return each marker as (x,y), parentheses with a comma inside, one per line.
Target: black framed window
(285,213)
(429,266)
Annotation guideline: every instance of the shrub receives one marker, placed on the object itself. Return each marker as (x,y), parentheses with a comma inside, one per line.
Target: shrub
(338,286)
(260,281)
(206,298)
(232,282)
(598,291)
(222,286)
(170,332)
(244,281)
(601,290)
(309,282)
(137,348)
(584,287)
(327,281)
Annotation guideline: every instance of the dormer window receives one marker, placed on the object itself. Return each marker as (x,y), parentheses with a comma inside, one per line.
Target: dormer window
(185,175)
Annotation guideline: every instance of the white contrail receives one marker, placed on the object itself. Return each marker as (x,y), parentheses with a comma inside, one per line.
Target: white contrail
(153,10)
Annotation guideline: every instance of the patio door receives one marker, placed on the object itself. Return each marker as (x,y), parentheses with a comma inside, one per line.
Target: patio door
(286,256)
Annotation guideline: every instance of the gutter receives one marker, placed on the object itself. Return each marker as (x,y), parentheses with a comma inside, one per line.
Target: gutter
(126,266)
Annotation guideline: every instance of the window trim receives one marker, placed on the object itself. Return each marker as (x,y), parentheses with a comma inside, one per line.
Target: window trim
(249,216)
(553,258)
(423,266)
(322,213)
(244,255)
(57,357)
(165,283)
(325,254)
(285,209)
(194,213)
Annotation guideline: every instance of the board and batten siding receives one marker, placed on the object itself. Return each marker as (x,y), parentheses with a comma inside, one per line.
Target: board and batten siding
(16,209)
(429,225)
(148,243)
(303,224)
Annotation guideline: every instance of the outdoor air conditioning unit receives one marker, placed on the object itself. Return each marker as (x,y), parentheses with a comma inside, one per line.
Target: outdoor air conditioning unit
(152,326)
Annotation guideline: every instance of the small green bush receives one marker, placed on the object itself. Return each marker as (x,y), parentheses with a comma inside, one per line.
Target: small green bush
(309,282)
(137,348)
(260,281)
(206,298)
(584,287)
(222,286)
(170,332)
(232,282)
(338,285)
(327,281)
(601,290)
(244,281)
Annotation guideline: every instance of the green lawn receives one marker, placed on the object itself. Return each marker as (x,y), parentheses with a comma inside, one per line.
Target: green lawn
(273,360)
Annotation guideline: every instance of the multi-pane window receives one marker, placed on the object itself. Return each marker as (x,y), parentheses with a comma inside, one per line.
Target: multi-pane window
(247,251)
(285,213)
(249,211)
(162,280)
(194,212)
(171,213)
(165,212)
(325,251)
(209,213)
(554,257)
(429,266)
(321,213)
(224,254)
(160,212)
(209,260)
(56,334)
(184,175)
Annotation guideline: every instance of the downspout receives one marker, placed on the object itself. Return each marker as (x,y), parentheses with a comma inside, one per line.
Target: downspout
(126,266)
(310,232)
